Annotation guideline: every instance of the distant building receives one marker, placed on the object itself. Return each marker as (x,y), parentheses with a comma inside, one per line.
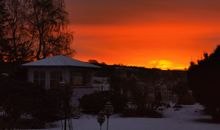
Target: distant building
(101,83)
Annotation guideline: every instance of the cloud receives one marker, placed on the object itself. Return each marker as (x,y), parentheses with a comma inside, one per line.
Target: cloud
(131,11)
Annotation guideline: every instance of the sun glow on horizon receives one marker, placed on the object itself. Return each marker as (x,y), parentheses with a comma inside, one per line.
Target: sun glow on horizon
(149,46)
(164,65)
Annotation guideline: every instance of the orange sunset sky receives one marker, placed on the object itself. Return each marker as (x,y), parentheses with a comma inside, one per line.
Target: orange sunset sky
(167,34)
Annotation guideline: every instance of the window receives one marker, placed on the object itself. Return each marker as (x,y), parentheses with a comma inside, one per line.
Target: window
(77,78)
(39,78)
(55,78)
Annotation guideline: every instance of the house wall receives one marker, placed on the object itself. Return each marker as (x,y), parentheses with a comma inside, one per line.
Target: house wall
(66,74)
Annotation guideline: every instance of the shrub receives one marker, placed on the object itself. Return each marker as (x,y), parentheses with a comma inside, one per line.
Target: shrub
(95,102)
(18,98)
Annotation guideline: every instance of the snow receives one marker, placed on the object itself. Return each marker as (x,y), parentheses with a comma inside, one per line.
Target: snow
(186,118)
(60,60)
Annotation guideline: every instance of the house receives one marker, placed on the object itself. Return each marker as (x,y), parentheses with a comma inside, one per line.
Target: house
(51,72)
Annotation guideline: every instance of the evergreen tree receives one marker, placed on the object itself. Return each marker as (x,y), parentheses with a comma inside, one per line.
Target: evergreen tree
(203,79)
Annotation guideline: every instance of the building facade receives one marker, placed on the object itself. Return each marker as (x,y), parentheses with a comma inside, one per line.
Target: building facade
(54,71)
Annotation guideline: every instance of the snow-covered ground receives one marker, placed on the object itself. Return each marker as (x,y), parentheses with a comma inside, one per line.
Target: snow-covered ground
(187,118)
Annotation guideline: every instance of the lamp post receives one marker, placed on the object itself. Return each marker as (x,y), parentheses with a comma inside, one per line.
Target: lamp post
(62,84)
(101,119)
(108,111)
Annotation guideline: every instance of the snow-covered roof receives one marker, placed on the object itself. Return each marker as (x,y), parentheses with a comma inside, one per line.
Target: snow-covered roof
(59,60)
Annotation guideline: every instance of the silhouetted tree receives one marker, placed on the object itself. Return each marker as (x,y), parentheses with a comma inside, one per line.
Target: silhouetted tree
(93,61)
(33,29)
(19,43)
(47,21)
(3,18)
(203,79)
